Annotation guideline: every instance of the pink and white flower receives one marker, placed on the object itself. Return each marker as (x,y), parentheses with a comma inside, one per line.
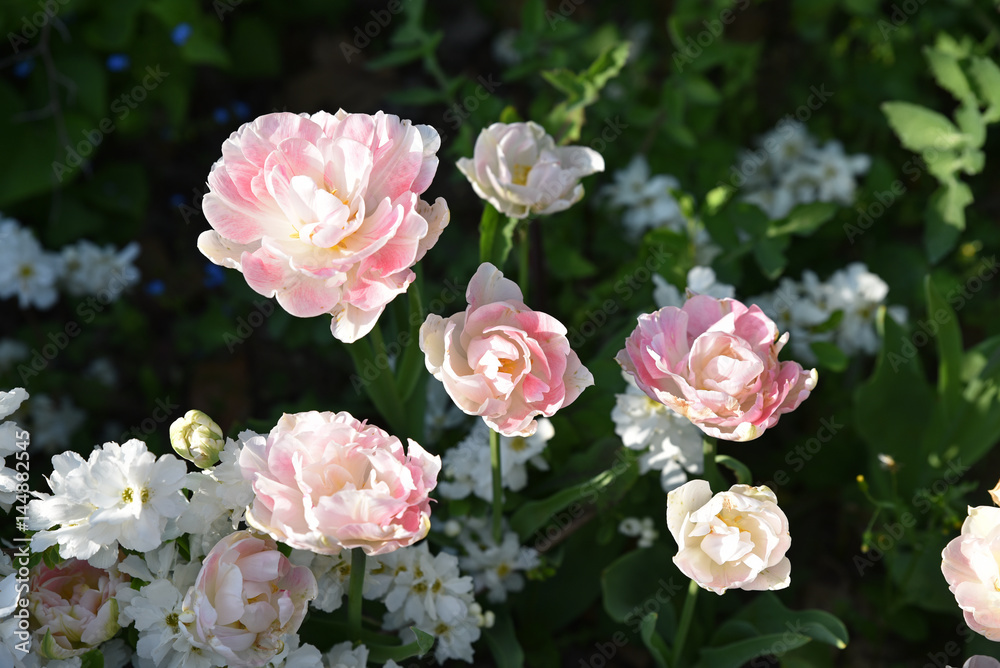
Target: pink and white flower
(500,360)
(735,539)
(715,362)
(972,568)
(518,168)
(323,211)
(326,481)
(73,608)
(247,599)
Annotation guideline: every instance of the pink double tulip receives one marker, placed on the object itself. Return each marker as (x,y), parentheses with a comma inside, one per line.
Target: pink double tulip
(715,362)
(326,481)
(73,608)
(247,599)
(323,211)
(501,360)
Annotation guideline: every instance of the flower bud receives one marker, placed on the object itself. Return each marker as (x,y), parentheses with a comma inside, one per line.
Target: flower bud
(197,438)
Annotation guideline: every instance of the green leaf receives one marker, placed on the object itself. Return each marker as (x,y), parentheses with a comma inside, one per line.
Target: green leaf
(717,197)
(419,647)
(510,115)
(418,96)
(804,219)
(204,49)
(829,355)
(653,642)
(775,629)
(939,237)
(949,347)
(770,256)
(948,73)
(951,205)
(739,469)
(640,582)
(987,77)
(897,387)
(972,123)
(92,659)
(503,642)
(582,89)
(533,515)
(919,128)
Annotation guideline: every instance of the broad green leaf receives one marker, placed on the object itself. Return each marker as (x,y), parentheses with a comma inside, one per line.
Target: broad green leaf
(939,237)
(919,128)
(502,639)
(943,323)
(948,73)
(640,582)
(770,256)
(510,115)
(829,355)
(987,76)
(92,659)
(777,628)
(971,122)
(804,219)
(653,642)
(897,387)
(717,197)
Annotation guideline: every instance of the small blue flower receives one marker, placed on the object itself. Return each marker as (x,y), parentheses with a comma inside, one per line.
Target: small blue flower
(155,288)
(214,275)
(180,33)
(177,200)
(221,115)
(118,62)
(241,110)
(24,68)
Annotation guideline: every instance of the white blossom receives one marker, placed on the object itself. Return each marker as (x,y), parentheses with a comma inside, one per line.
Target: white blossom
(9,445)
(26,270)
(93,270)
(669,443)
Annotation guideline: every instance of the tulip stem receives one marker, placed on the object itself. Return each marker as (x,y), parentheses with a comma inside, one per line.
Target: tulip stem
(524,252)
(682,628)
(355,592)
(497,486)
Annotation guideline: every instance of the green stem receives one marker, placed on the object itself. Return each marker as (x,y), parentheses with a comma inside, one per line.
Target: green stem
(682,628)
(355,592)
(381,388)
(497,486)
(524,249)
(712,474)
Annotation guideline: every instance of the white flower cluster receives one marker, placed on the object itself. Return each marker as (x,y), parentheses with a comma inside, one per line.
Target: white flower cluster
(789,168)
(700,281)
(35,275)
(804,307)
(121,495)
(467,465)
(669,443)
(648,201)
(497,569)
(418,589)
(10,655)
(644,529)
(9,402)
